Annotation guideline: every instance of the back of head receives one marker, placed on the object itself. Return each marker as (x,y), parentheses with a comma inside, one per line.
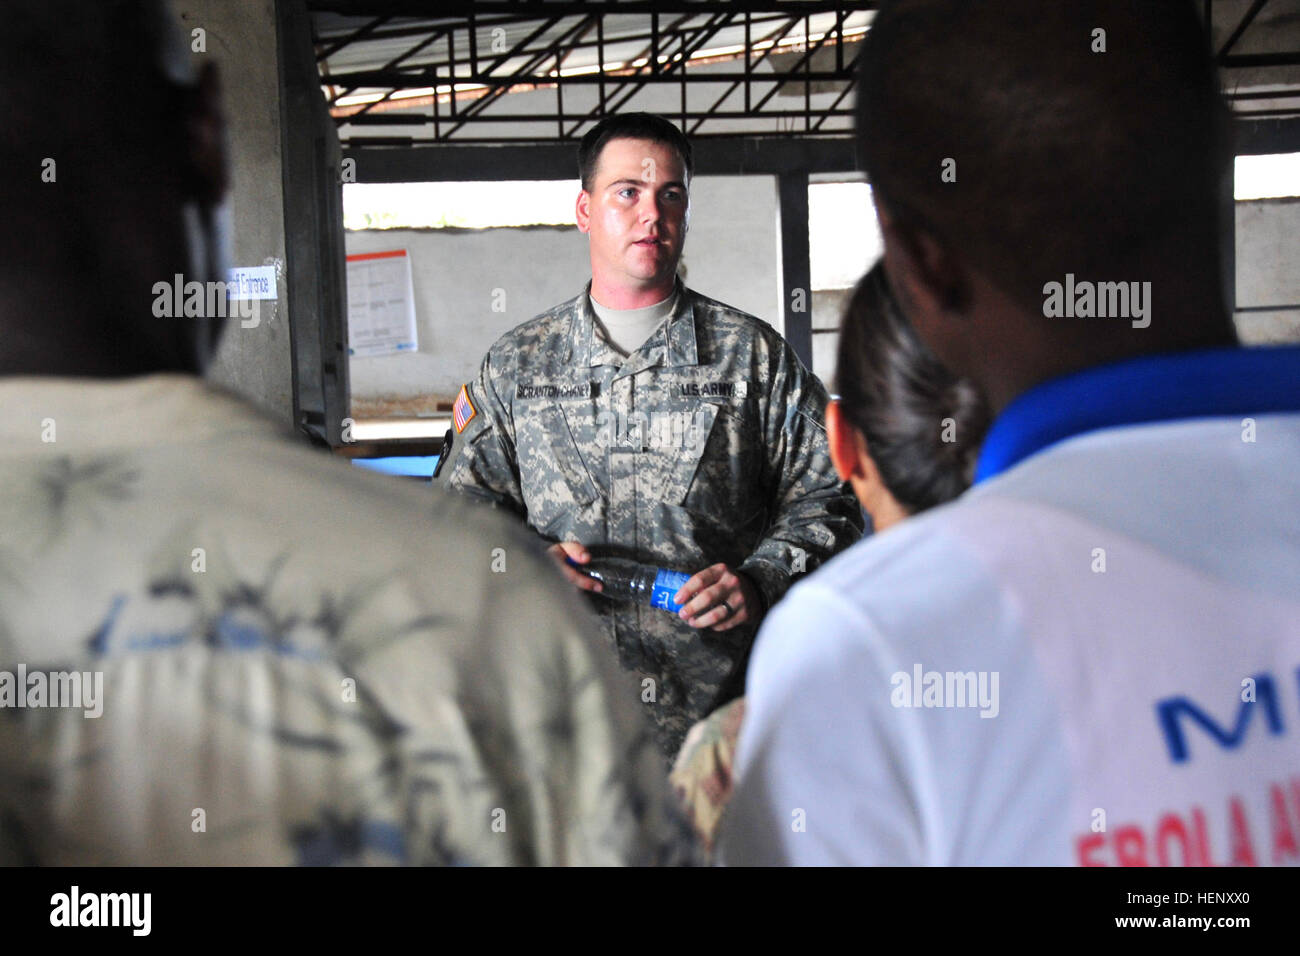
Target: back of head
(1084,137)
(96,97)
(646,126)
(923,424)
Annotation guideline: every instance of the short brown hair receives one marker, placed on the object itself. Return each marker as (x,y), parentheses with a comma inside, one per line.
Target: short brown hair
(631,126)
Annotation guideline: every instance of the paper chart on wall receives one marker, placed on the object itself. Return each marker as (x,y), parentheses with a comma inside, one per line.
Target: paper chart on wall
(381,303)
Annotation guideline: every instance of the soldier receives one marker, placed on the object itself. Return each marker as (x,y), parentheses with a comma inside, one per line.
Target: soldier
(646,421)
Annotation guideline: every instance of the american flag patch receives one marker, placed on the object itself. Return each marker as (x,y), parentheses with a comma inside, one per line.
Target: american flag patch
(463,411)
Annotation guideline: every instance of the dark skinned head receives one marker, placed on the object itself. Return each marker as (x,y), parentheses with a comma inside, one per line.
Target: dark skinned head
(102,90)
(1106,165)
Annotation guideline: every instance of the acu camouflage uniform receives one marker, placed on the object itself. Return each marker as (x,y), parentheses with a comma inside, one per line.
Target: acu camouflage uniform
(706,444)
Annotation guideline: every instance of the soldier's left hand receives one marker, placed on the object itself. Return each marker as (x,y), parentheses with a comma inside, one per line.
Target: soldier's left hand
(717,597)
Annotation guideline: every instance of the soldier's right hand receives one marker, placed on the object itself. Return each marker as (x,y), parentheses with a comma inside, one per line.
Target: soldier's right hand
(561,551)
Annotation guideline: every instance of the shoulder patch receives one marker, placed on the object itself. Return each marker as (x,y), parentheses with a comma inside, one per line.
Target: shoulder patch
(463,411)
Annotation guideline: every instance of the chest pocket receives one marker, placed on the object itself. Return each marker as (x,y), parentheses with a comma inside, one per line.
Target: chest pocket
(719,470)
(553,478)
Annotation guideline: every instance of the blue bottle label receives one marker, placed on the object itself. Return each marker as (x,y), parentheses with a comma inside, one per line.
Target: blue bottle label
(667,584)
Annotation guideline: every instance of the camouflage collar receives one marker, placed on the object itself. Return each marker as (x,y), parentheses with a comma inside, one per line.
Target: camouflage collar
(588,349)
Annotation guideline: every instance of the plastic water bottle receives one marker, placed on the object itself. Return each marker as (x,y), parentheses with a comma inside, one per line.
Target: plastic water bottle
(623,580)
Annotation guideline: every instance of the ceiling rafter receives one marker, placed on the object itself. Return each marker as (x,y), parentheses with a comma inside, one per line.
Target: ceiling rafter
(445,78)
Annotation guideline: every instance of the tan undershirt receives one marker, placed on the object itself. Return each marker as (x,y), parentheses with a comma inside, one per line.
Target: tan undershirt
(627,329)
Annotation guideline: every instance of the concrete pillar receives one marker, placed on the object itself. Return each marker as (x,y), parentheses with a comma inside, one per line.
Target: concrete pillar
(240,37)
(796,267)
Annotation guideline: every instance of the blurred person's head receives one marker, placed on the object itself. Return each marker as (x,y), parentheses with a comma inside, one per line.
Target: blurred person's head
(904,432)
(1012,143)
(114,178)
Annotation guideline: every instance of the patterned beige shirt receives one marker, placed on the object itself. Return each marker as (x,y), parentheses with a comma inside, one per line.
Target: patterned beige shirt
(296,662)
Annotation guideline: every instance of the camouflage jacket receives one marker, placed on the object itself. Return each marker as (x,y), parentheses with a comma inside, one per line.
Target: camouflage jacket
(706,444)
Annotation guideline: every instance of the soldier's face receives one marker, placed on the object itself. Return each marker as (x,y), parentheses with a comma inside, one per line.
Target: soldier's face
(636,213)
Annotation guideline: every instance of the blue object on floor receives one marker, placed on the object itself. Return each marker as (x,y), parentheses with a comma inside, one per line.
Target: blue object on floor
(418,466)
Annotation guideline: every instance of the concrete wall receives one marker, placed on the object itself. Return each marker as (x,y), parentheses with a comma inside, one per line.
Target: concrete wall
(828,307)
(240,37)
(1268,269)
(730,254)
(1268,273)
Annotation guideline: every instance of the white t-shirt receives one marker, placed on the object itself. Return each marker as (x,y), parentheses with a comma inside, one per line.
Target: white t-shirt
(1120,617)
